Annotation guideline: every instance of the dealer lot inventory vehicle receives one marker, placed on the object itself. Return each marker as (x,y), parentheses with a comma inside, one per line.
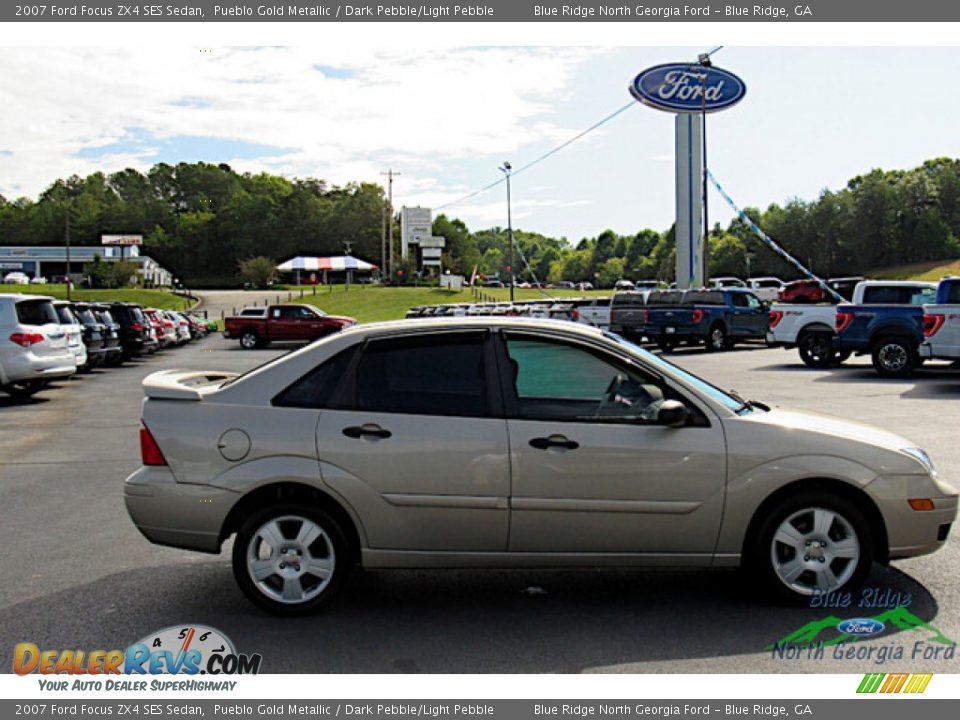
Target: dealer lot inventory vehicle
(33,345)
(941,323)
(258,327)
(509,442)
(74,330)
(94,333)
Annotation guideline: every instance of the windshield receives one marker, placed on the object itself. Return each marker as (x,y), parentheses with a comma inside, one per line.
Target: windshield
(737,406)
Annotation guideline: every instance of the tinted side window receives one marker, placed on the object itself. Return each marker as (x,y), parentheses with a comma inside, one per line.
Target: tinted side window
(316,388)
(558,381)
(431,375)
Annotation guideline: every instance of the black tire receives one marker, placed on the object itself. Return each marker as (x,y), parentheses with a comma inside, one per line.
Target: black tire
(894,357)
(329,548)
(816,349)
(767,560)
(249,340)
(25,389)
(717,339)
(840,357)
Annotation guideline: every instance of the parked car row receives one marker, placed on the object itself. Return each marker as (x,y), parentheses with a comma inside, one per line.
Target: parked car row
(593,311)
(43,339)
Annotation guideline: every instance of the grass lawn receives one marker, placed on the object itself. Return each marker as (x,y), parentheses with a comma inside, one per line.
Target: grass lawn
(370,303)
(149,298)
(931,271)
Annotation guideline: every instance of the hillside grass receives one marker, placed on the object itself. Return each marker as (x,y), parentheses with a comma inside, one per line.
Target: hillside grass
(148,298)
(931,271)
(372,303)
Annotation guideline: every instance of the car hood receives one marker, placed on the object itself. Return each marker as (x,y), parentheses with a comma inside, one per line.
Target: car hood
(836,427)
(763,437)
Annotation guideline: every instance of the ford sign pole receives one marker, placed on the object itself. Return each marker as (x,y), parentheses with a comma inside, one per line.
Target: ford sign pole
(690,91)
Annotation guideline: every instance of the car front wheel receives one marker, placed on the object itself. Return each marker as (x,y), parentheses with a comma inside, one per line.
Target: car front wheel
(289,559)
(813,544)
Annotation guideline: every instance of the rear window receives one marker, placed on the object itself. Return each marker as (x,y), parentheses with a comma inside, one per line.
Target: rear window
(36,312)
(629,300)
(136,314)
(953,293)
(666,297)
(86,316)
(65,315)
(899,295)
(704,297)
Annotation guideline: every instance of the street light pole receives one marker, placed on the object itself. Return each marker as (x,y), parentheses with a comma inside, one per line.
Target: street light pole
(506,170)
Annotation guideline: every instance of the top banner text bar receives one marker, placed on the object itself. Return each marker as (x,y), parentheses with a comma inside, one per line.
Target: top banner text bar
(483,11)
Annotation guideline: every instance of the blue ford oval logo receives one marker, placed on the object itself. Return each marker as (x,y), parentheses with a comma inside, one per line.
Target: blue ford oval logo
(688,87)
(861,627)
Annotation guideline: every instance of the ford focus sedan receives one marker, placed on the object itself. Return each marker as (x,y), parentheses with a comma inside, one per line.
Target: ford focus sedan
(506,443)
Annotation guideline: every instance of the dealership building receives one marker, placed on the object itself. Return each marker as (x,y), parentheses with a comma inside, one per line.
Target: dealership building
(51,261)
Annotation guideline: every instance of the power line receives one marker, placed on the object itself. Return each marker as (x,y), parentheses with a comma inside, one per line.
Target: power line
(540,159)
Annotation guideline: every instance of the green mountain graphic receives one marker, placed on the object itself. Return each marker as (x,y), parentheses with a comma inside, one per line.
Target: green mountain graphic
(898,617)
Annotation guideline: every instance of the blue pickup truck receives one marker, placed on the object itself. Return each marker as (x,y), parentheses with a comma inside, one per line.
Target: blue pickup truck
(889,326)
(716,317)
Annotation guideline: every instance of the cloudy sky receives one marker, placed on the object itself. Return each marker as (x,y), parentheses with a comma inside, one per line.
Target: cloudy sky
(447,118)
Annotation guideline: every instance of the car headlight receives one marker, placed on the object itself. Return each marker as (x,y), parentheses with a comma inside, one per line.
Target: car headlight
(921,457)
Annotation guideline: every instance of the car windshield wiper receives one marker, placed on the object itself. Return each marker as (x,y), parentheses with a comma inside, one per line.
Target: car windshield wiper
(746,404)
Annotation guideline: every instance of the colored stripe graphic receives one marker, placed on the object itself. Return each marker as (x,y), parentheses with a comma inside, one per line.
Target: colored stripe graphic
(913,683)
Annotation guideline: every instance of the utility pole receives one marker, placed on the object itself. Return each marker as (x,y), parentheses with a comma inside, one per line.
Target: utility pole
(68,253)
(383,245)
(506,171)
(390,176)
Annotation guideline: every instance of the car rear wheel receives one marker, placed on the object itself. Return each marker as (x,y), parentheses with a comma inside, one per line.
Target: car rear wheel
(717,338)
(894,357)
(289,559)
(813,544)
(249,340)
(24,389)
(816,349)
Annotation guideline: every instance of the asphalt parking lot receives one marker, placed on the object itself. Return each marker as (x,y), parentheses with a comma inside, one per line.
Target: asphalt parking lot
(79,575)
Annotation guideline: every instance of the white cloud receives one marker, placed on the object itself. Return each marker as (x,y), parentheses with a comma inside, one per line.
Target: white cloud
(421,109)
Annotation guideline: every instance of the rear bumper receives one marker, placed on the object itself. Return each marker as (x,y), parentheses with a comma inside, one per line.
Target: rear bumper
(27,366)
(176,514)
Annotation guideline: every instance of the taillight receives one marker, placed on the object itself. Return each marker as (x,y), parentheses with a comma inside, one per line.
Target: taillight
(136,326)
(27,339)
(932,323)
(167,324)
(843,321)
(575,315)
(646,317)
(697,316)
(150,453)
(775,317)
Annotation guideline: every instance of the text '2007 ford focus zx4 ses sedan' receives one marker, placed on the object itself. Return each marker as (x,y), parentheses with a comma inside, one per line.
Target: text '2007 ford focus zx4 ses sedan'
(499,442)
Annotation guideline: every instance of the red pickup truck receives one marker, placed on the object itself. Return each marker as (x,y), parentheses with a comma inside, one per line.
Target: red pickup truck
(259,326)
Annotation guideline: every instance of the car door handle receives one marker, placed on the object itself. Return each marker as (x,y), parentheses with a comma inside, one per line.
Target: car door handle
(558,441)
(359,431)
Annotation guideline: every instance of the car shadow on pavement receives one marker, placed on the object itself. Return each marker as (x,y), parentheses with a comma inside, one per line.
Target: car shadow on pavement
(452,621)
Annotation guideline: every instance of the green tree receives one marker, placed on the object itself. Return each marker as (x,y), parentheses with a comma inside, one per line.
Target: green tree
(257,271)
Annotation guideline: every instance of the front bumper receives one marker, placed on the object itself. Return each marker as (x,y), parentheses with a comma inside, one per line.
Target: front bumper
(176,514)
(911,532)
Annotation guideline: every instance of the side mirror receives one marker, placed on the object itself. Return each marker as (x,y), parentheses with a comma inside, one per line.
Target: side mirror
(673,413)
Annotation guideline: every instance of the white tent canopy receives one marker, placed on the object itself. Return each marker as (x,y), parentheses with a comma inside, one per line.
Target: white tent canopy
(339,263)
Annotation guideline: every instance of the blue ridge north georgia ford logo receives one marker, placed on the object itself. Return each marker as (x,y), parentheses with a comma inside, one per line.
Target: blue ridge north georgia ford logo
(688,88)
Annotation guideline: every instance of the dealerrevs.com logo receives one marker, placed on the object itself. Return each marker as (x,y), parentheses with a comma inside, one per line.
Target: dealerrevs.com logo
(176,650)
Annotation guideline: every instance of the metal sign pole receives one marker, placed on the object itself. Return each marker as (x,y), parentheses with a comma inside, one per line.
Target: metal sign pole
(689,201)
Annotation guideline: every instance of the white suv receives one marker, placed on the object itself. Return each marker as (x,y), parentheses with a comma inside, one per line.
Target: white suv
(33,346)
